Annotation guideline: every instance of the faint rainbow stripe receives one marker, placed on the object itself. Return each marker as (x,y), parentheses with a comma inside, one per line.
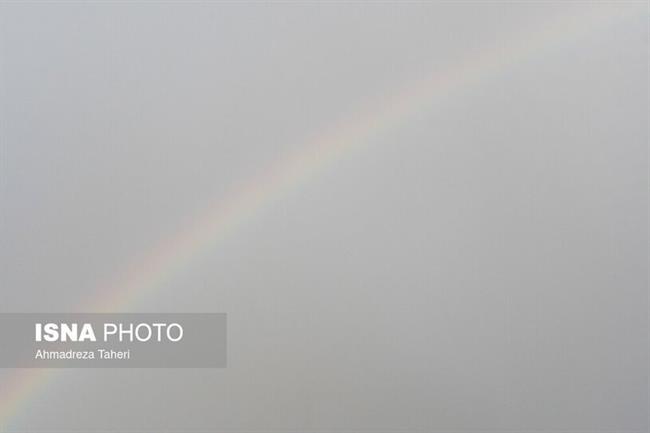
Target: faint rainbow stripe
(225,216)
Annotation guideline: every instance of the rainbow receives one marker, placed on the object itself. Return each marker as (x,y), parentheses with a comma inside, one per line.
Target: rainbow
(226,216)
(353,134)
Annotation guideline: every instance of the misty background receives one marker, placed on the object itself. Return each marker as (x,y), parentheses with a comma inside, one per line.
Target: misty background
(481,266)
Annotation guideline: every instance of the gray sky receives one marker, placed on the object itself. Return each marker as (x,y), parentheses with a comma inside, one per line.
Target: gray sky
(482,264)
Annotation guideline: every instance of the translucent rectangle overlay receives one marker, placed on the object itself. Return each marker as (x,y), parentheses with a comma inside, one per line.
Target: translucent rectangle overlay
(128,340)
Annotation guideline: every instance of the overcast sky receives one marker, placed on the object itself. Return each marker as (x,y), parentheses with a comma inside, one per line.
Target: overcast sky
(481,263)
